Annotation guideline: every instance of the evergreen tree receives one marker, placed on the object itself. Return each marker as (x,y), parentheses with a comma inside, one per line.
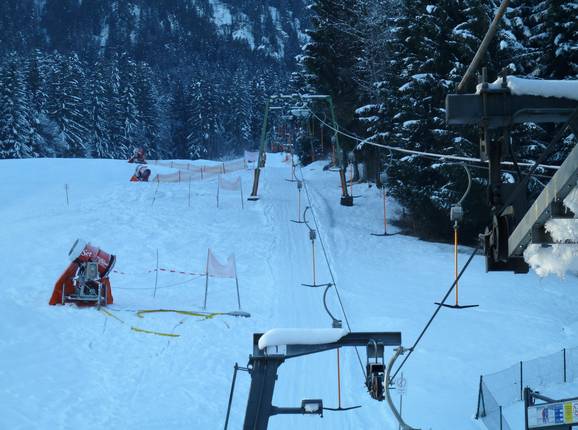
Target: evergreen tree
(97,113)
(66,103)
(36,68)
(146,104)
(330,56)
(179,117)
(14,111)
(555,31)
(204,122)
(127,109)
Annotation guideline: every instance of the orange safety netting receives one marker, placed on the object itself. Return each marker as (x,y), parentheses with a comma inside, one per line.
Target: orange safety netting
(191,172)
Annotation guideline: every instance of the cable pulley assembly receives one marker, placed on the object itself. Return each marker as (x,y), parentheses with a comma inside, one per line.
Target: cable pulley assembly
(299,188)
(375,370)
(312,238)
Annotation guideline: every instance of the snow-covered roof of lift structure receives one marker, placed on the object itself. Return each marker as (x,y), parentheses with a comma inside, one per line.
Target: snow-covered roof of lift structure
(296,336)
(565,89)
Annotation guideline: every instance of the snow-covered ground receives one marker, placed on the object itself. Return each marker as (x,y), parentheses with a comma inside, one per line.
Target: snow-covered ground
(70,368)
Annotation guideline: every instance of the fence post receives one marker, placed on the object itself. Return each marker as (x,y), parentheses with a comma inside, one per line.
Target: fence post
(564,355)
(481,400)
(500,417)
(521,381)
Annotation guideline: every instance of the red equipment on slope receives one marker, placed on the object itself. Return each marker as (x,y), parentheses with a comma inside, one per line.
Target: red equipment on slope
(138,156)
(141,174)
(85,281)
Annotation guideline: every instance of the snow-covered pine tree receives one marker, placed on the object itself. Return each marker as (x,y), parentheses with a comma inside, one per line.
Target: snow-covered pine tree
(179,114)
(115,130)
(14,111)
(127,109)
(331,56)
(516,51)
(66,103)
(36,83)
(204,123)
(555,32)
(422,63)
(148,114)
(238,118)
(97,103)
(518,54)
(375,30)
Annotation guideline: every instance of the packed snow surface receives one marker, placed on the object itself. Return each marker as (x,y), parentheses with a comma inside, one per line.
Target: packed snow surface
(63,367)
(567,89)
(292,336)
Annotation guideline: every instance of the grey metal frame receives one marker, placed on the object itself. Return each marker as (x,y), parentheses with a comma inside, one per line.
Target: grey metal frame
(263,367)
(515,222)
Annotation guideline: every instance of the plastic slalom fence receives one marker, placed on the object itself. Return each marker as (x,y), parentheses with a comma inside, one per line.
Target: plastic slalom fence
(190,172)
(501,389)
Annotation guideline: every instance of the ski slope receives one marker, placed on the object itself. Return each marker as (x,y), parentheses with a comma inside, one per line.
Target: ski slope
(71,368)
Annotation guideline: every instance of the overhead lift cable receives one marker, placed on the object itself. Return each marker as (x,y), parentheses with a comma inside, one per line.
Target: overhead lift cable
(334,284)
(422,153)
(439,306)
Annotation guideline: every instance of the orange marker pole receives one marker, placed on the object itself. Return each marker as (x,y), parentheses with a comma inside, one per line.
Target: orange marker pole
(313,248)
(456,259)
(338,381)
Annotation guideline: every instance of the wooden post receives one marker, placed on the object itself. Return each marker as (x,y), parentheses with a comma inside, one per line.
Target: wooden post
(156,275)
(218,188)
(156,190)
(66,190)
(241,187)
(237,284)
(206,280)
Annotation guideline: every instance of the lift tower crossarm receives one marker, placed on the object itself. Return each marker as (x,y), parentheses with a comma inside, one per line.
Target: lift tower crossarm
(350,339)
(263,365)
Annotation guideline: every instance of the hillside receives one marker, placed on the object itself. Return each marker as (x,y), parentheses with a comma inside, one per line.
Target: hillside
(65,367)
(181,78)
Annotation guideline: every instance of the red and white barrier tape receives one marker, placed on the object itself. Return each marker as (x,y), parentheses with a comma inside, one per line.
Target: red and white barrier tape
(160,270)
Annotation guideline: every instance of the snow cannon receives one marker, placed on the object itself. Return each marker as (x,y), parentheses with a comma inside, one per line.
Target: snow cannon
(141,174)
(138,156)
(85,281)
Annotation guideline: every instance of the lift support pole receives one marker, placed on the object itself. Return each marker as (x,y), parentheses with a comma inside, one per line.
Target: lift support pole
(261,158)
(346,199)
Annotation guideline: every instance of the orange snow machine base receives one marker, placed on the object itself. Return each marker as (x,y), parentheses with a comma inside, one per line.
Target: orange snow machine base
(65,291)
